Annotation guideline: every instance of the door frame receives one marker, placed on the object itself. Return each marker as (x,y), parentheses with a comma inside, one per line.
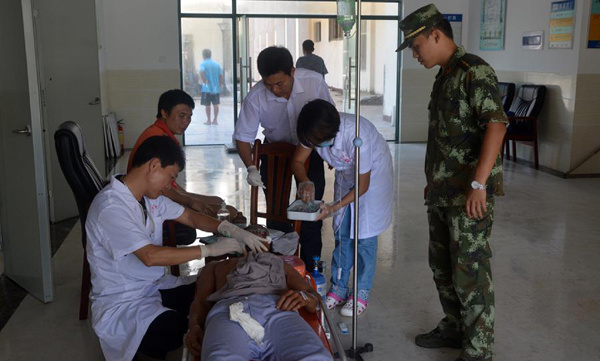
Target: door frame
(234,16)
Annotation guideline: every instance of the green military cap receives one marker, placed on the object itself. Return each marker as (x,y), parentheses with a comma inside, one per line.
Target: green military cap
(421,19)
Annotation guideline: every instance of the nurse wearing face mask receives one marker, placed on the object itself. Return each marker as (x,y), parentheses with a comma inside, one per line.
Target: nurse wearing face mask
(331,134)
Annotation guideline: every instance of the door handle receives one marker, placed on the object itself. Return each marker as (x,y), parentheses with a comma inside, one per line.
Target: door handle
(349,83)
(250,71)
(95,101)
(25,131)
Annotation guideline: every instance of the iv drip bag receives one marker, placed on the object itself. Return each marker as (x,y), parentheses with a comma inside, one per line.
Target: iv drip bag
(346,15)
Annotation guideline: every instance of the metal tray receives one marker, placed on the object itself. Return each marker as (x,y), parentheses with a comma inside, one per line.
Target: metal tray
(302,216)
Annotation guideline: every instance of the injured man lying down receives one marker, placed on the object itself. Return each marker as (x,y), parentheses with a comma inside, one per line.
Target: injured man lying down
(245,309)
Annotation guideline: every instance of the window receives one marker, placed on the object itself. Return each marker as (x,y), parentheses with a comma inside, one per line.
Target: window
(335,30)
(317,31)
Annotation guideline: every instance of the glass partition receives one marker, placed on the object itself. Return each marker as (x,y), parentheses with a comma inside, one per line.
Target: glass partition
(199,38)
(258,24)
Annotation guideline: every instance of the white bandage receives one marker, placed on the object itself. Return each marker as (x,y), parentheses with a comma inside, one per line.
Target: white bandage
(250,325)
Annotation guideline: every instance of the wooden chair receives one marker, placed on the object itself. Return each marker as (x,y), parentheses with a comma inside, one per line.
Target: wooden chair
(279,182)
(523,118)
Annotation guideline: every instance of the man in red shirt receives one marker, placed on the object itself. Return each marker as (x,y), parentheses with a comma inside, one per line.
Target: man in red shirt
(173,117)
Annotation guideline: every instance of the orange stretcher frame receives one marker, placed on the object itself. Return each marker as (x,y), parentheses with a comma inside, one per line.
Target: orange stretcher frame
(320,323)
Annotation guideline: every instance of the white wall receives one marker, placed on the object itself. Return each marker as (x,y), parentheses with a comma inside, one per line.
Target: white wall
(139,51)
(568,119)
(141,34)
(522,16)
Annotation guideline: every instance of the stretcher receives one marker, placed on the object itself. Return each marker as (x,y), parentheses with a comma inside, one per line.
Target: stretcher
(320,322)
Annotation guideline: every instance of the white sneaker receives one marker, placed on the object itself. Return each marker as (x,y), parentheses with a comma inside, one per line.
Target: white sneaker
(349,306)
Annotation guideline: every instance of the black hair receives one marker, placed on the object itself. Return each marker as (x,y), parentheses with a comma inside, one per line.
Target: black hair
(171,98)
(274,59)
(161,147)
(318,121)
(206,53)
(443,26)
(308,45)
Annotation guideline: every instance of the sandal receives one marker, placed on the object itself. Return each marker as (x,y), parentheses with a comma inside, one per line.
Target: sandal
(348,307)
(332,300)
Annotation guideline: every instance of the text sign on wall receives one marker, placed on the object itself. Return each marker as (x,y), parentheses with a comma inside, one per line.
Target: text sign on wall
(456,24)
(594,34)
(493,16)
(562,24)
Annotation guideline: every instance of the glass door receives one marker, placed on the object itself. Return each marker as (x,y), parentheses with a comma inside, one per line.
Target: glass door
(378,75)
(207,71)
(244,61)
(259,24)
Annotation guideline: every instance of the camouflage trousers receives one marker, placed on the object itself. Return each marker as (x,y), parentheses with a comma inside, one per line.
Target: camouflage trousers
(459,256)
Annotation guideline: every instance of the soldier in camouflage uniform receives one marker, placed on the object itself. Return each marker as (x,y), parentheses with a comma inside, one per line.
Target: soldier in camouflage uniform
(464,172)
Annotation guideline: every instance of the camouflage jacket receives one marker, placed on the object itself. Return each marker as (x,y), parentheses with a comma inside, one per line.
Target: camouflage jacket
(464,99)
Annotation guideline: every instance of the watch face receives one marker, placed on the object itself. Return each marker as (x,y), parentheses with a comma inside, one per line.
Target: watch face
(476,185)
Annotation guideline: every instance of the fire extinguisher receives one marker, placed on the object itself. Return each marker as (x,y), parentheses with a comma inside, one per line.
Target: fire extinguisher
(121,136)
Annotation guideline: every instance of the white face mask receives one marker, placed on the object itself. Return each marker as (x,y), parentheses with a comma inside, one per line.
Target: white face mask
(326,144)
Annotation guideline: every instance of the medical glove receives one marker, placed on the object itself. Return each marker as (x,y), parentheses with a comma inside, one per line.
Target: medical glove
(328,209)
(254,242)
(222,246)
(306,192)
(253,177)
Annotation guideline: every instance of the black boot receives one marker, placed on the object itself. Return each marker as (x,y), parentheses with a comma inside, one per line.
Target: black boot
(436,339)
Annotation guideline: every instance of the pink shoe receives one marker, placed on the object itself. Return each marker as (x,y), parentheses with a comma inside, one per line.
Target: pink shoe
(332,300)
(348,307)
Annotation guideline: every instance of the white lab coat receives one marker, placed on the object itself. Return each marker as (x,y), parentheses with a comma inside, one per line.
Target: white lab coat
(376,205)
(125,293)
(279,116)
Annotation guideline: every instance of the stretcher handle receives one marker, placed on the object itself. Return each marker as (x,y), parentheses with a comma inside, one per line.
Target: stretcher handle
(336,340)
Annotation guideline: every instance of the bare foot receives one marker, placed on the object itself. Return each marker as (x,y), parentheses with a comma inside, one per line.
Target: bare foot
(215,122)
(207,122)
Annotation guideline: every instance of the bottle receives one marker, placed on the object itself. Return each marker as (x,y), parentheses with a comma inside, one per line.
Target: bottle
(239,220)
(346,15)
(322,266)
(318,277)
(223,213)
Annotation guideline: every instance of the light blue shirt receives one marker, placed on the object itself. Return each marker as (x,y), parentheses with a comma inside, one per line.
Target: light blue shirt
(211,70)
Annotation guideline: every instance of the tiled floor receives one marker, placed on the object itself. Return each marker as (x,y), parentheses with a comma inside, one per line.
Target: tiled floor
(546,245)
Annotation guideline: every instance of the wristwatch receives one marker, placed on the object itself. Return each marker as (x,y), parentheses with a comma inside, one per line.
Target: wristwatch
(478,186)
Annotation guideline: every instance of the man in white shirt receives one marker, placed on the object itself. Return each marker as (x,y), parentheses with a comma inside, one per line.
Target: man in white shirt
(136,306)
(274,103)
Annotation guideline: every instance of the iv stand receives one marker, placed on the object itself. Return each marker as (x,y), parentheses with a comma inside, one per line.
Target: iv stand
(355,352)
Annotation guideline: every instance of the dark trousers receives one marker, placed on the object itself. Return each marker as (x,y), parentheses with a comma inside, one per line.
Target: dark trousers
(166,332)
(184,235)
(310,233)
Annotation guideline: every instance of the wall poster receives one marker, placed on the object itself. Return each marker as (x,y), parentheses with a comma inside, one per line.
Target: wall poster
(594,34)
(562,24)
(493,18)
(456,24)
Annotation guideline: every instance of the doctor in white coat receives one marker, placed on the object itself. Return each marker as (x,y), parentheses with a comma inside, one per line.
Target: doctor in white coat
(136,305)
(321,127)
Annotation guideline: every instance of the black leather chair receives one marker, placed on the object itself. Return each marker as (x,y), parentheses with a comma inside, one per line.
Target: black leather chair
(523,117)
(507,91)
(85,181)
